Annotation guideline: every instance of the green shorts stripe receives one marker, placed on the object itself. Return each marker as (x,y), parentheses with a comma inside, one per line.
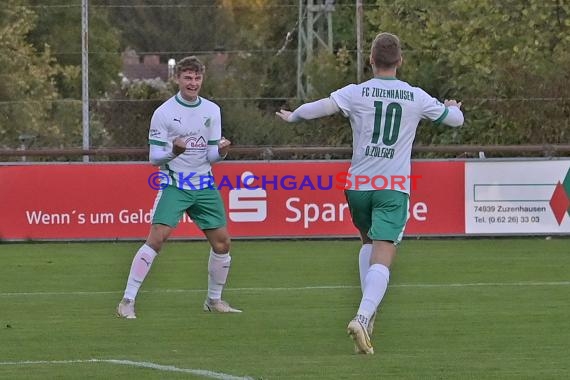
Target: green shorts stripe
(381,214)
(205,207)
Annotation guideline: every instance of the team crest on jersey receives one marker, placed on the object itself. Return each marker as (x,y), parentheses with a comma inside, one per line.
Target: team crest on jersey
(207,121)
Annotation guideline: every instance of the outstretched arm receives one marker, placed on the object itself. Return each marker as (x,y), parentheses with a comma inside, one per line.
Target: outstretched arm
(454,117)
(308,111)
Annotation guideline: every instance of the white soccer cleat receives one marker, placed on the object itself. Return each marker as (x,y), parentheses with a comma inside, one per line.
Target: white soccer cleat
(126,309)
(359,335)
(219,306)
(370,328)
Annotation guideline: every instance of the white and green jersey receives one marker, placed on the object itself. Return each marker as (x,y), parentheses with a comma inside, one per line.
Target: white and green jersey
(200,125)
(384,114)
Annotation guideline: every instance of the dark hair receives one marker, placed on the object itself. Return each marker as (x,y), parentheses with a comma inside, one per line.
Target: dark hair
(191,63)
(386,51)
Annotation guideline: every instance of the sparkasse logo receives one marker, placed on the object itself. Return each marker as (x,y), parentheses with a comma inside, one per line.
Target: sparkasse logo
(247,205)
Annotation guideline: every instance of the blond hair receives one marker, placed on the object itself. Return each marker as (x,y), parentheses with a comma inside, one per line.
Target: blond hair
(386,51)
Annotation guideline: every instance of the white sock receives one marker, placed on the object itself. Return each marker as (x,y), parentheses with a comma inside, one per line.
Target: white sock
(364,262)
(139,269)
(218,269)
(375,286)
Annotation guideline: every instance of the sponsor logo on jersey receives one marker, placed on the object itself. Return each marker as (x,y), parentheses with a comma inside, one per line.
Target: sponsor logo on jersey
(193,143)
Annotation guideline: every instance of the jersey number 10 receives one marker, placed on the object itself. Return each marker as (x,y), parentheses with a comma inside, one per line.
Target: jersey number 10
(392,122)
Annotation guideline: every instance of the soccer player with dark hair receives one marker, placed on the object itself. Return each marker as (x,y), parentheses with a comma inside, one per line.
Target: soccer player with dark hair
(185,140)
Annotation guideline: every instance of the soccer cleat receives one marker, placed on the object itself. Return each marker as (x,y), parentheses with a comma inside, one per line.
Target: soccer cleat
(219,306)
(126,309)
(359,335)
(370,328)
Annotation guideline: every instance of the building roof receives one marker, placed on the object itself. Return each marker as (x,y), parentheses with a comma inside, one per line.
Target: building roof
(149,68)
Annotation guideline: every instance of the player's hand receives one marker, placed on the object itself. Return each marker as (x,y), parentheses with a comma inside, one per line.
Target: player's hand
(178,146)
(284,114)
(224,146)
(452,103)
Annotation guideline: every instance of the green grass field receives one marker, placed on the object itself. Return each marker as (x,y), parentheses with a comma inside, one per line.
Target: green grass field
(455,309)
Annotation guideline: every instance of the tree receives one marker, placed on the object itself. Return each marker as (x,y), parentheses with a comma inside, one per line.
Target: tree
(507,60)
(36,104)
(60,30)
(172,29)
(126,118)
(26,89)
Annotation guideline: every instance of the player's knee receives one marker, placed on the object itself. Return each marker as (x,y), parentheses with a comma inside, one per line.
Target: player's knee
(155,244)
(364,237)
(222,246)
(158,236)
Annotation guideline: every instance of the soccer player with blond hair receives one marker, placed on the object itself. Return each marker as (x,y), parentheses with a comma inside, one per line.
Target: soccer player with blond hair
(384,113)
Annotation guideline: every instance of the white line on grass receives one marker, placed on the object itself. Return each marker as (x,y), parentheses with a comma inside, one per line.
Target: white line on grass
(460,285)
(324,287)
(159,367)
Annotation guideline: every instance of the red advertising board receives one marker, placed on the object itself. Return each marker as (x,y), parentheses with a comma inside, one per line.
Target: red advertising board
(277,199)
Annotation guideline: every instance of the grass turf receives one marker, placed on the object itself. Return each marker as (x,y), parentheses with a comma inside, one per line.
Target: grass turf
(455,309)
